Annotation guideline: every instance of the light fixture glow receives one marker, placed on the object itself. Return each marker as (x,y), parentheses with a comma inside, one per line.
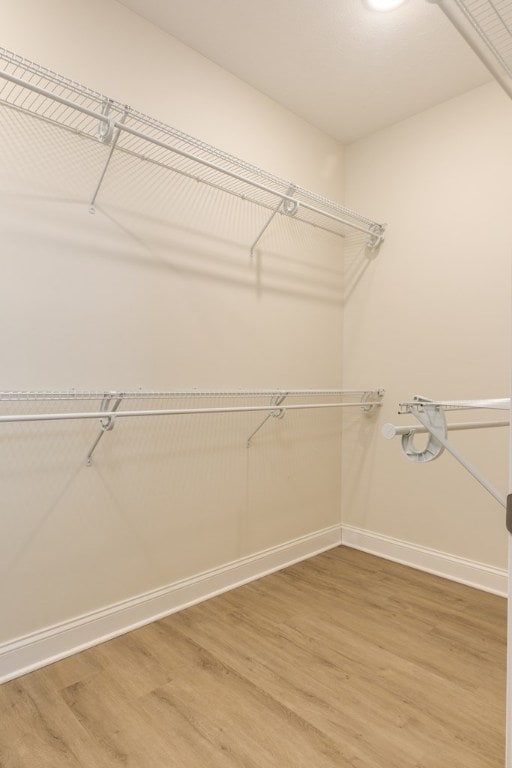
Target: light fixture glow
(384,5)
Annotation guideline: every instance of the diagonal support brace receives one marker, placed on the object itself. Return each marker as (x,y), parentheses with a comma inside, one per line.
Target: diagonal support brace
(440,435)
(113,142)
(278,413)
(287,206)
(107,424)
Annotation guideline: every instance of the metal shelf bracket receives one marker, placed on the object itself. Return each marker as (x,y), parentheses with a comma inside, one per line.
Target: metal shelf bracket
(375,239)
(435,423)
(106,128)
(105,134)
(287,206)
(371,399)
(277,413)
(107,423)
(431,416)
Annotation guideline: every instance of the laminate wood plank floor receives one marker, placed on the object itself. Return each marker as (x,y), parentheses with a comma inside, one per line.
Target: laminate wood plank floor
(342,660)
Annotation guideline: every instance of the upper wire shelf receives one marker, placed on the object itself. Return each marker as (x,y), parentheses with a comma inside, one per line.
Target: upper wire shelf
(492,21)
(49,96)
(486,25)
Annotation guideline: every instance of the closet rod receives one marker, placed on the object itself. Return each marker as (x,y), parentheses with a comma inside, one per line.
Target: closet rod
(390,431)
(109,416)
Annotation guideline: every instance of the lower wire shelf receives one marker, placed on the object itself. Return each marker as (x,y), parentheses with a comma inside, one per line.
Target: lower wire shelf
(108,411)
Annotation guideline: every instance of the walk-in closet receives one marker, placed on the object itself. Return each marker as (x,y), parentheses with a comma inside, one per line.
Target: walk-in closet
(255,393)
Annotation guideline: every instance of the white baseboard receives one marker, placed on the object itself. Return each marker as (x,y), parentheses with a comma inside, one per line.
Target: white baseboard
(53,643)
(470,572)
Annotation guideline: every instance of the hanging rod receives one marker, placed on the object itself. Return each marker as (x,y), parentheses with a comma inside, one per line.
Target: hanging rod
(13,418)
(486,26)
(44,94)
(389,431)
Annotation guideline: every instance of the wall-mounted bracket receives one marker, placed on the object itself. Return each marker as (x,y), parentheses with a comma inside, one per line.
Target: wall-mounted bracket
(371,399)
(107,423)
(113,142)
(290,207)
(375,239)
(106,128)
(277,413)
(436,426)
(431,416)
(286,206)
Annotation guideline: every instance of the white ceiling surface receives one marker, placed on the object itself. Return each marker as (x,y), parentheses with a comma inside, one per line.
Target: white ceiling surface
(340,66)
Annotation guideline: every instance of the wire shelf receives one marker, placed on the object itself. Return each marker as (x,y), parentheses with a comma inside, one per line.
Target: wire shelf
(57,395)
(50,97)
(486,25)
(420,403)
(109,411)
(492,21)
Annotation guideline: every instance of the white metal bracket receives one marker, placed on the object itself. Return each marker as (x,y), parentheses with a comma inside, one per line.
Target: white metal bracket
(375,239)
(287,206)
(106,127)
(370,400)
(113,142)
(431,416)
(107,423)
(436,426)
(290,207)
(277,413)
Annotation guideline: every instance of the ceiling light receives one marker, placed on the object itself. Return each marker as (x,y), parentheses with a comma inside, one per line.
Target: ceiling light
(384,5)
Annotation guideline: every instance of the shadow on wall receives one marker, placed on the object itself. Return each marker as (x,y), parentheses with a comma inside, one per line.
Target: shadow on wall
(164,498)
(282,266)
(358,257)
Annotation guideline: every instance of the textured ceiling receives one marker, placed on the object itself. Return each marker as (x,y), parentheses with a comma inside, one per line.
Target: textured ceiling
(342,67)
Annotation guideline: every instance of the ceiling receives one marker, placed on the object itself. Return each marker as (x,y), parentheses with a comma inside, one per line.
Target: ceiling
(342,67)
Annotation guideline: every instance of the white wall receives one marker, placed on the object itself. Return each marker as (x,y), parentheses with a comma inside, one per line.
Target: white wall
(159,292)
(153,293)
(432,314)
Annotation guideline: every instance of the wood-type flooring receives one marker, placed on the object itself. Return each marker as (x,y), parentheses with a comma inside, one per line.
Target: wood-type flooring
(342,660)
